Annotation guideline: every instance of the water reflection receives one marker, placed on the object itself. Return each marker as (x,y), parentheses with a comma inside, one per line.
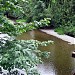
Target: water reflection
(32,34)
(46,69)
(60,61)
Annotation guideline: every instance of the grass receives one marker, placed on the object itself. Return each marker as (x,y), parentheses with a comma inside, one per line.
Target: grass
(59,31)
(21,20)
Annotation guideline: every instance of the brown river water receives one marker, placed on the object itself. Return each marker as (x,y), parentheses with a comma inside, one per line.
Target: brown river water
(60,61)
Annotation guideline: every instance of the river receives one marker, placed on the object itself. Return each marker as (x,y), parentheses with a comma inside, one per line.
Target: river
(60,61)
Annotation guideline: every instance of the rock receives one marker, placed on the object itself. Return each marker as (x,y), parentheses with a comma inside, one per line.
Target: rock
(74,74)
(73,54)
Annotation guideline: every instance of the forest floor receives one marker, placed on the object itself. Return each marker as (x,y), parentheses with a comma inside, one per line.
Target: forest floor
(69,39)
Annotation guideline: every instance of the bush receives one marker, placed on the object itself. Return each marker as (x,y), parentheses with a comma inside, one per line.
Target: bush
(18,54)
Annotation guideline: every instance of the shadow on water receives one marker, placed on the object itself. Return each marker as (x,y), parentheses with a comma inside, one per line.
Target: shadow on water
(60,61)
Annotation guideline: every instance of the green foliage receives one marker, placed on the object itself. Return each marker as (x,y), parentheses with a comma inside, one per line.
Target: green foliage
(47,2)
(70,30)
(7,26)
(18,53)
(38,11)
(42,23)
(33,10)
(21,20)
(29,10)
(59,30)
(11,8)
(63,15)
(21,54)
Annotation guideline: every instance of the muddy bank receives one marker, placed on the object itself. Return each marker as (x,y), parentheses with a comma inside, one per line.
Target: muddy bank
(64,37)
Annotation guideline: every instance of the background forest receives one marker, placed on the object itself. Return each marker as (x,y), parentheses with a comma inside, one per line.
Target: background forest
(61,12)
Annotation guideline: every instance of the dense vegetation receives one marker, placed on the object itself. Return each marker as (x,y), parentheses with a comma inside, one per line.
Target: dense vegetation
(19,56)
(62,13)
(18,16)
(63,16)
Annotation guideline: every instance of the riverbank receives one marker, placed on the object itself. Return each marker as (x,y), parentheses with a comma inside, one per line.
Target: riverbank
(69,39)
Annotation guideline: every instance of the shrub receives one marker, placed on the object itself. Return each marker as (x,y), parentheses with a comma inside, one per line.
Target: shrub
(18,54)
